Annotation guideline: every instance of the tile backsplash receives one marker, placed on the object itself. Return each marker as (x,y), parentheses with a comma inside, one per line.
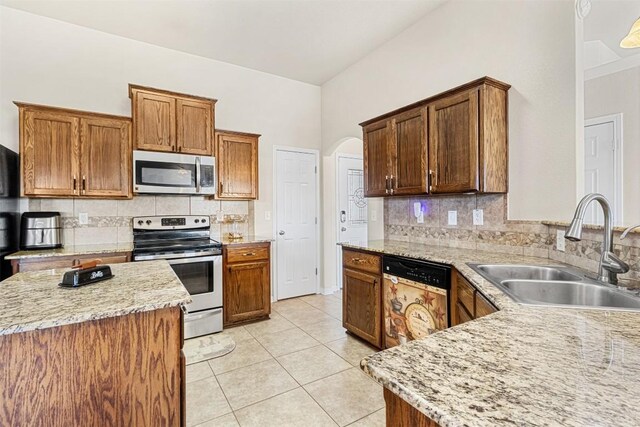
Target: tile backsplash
(110,221)
(498,234)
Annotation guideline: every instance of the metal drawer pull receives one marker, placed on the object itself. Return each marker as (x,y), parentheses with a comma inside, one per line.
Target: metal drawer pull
(357,260)
(249,254)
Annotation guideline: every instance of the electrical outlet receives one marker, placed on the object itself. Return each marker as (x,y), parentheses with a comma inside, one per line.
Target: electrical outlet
(83,218)
(560,240)
(478,217)
(418,213)
(267,215)
(453,217)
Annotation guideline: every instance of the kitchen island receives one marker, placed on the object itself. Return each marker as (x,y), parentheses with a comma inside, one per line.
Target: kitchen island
(520,366)
(102,354)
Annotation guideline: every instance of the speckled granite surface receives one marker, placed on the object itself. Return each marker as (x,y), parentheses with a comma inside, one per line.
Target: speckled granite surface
(71,250)
(246,240)
(33,300)
(522,366)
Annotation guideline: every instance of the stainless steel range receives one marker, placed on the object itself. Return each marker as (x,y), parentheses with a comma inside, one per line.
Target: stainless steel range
(185,242)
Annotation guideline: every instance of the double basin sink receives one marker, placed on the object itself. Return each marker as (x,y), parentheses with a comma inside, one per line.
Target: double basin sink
(557,286)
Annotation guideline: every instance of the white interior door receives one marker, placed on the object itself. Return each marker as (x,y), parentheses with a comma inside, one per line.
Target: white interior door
(296,223)
(601,168)
(352,206)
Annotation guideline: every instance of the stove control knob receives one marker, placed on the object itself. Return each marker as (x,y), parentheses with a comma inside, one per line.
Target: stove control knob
(148,222)
(197,221)
(140,222)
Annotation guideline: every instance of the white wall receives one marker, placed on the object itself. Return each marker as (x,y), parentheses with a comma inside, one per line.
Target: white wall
(51,62)
(528,44)
(620,93)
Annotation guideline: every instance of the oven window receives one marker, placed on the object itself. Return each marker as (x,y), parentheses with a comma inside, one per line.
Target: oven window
(197,277)
(165,174)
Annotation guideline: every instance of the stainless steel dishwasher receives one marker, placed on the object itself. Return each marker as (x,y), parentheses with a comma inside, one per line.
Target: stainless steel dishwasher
(416,299)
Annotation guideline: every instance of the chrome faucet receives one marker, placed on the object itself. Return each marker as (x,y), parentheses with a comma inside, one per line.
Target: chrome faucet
(628,230)
(610,265)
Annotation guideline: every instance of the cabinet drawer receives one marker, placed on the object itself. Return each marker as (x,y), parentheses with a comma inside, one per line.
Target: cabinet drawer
(245,253)
(465,294)
(361,261)
(462,314)
(483,306)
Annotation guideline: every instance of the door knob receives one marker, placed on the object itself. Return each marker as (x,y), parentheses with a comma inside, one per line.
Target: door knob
(281,232)
(343,228)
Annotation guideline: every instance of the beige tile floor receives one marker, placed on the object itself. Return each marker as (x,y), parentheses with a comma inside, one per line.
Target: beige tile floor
(298,368)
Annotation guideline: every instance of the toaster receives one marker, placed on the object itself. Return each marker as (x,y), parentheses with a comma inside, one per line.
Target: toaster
(40,230)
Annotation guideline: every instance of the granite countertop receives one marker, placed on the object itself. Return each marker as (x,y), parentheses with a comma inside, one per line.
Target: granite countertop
(70,250)
(246,240)
(33,300)
(520,366)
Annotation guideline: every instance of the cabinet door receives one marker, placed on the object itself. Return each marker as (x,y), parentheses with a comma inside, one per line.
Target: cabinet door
(361,305)
(105,157)
(237,159)
(195,127)
(453,143)
(376,158)
(154,118)
(246,292)
(49,149)
(409,153)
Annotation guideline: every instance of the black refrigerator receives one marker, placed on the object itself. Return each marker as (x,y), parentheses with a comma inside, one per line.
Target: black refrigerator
(9,209)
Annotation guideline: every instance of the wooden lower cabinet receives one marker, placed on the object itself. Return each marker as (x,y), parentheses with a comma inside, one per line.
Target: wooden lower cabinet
(362,296)
(119,371)
(47,263)
(467,303)
(401,414)
(247,283)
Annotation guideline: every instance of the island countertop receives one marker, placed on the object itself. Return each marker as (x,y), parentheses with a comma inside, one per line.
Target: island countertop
(71,250)
(520,366)
(33,300)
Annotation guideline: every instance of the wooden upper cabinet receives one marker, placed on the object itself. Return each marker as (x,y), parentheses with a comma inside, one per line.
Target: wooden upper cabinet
(71,153)
(105,157)
(154,118)
(49,143)
(170,121)
(453,143)
(195,126)
(409,153)
(376,158)
(237,162)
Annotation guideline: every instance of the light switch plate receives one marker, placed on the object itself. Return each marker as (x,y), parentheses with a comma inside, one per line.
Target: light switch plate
(560,240)
(478,217)
(83,218)
(267,215)
(453,217)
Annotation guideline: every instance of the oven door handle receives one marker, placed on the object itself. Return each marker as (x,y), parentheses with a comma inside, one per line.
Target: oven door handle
(191,260)
(197,174)
(170,257)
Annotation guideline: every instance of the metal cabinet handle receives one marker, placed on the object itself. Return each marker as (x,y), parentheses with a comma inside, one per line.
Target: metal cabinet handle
(84,184)
(249,254)
(75,184)
(386,184)
(391,185)
(221,187)
(430,180)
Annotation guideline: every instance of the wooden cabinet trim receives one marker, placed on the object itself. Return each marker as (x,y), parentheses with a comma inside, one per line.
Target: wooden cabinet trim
(414,161)
(470,85)
(139,88)
(69,111)
(376,159)
(466,294)
(375,336)
(245,253)
(483,306)
(362,261)
(183,130)
(399,413)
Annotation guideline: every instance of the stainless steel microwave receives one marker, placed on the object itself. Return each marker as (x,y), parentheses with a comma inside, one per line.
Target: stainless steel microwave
(170,173)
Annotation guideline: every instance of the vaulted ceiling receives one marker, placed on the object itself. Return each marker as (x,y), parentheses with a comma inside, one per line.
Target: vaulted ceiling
(306,40)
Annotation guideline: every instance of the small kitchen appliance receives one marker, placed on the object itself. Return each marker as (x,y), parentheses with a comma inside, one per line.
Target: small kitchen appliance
(416,299)
(185,242)
(41,230)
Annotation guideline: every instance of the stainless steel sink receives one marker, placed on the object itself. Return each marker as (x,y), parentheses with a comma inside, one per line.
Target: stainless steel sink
(556,286)
(527,272)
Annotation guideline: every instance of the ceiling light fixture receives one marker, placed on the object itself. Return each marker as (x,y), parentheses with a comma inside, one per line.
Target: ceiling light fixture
(633,38)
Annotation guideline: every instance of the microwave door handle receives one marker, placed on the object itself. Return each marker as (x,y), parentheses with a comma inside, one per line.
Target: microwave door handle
(197,174)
